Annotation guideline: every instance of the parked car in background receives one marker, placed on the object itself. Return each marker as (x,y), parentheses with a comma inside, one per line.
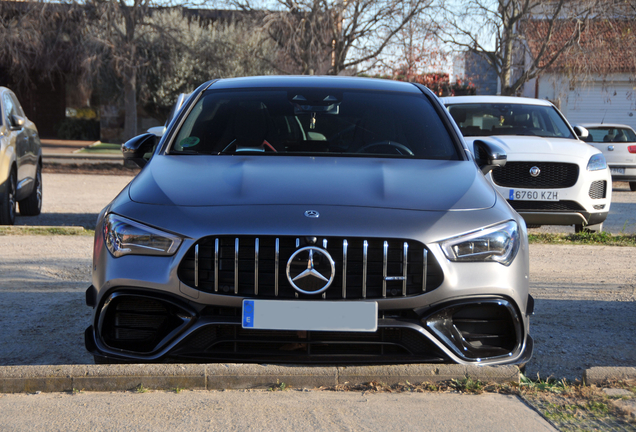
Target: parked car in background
(618,144)
(551,177)
(310,220)
(20,161)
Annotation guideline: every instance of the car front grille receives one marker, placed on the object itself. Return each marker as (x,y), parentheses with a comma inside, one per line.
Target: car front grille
(249,266)
(598,189)
(386,345)
(553,175)
(546,206)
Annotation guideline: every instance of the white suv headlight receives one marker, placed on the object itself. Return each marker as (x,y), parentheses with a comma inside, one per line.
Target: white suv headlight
(498,243)
(596,162)
(126,237)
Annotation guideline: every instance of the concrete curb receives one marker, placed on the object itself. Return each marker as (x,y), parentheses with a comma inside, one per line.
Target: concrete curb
(601,375)
(30,379)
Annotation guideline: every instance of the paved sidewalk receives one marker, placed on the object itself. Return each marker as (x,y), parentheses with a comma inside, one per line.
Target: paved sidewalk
(290,410)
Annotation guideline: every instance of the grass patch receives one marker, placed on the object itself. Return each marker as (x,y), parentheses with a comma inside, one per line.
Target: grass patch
(279,386)
(102,148)
(584,238)
(45,230)
(141,389)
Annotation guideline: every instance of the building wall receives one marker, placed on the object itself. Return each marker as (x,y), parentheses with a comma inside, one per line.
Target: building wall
(611,99)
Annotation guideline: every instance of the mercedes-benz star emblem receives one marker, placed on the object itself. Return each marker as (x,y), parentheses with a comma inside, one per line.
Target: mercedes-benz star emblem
(535,171)
(310,270)
(312,214)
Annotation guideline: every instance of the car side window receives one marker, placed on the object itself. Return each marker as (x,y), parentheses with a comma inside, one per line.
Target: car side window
(8,109)
(16,105)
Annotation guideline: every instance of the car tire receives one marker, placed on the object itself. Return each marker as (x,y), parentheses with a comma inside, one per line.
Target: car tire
(632,186)
(32,205)
(588,228)
(7,201)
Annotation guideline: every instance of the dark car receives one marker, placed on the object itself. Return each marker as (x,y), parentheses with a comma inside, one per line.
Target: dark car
(310,220)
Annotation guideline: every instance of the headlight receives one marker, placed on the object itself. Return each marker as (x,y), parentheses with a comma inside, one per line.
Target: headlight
(125,237)
(597,162)
(498,243)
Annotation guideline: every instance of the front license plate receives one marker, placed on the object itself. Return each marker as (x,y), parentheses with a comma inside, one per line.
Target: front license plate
(310,315)
(618,171)
(533,195)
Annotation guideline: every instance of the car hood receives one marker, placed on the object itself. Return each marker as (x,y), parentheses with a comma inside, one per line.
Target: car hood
(288,180)
(519,147)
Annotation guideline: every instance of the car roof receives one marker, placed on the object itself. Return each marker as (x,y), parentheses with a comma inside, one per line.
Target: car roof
(340,82)
(454,100)
(604,125)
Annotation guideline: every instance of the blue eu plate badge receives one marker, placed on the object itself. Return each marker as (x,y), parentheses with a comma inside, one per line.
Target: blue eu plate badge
(248,313)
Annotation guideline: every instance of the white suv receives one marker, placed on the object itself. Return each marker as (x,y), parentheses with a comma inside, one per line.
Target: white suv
(552,177)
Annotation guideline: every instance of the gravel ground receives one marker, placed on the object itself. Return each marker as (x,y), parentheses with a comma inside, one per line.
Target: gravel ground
(585,311)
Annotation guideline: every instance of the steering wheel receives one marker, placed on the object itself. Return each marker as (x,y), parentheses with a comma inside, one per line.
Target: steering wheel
(400,148)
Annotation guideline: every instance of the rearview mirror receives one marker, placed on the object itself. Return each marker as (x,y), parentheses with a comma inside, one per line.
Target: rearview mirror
(581,132)
(489,155)
(17,121)
(136,148)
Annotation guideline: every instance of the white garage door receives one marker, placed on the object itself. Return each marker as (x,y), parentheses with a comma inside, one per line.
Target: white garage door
(595,102)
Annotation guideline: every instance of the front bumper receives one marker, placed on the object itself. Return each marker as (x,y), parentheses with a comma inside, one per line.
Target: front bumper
(585,203)
(483,330)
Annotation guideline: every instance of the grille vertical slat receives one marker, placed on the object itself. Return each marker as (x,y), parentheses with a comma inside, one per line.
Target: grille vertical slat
(276,265)
(365,256)
(236,266)
(216,265)
(424,269)
(196,266)
(250,266)
(385,255)
(405,264)
(345,245)
(256,267)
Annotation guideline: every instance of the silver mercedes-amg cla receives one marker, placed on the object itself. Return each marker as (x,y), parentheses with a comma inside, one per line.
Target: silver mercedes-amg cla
(310,220)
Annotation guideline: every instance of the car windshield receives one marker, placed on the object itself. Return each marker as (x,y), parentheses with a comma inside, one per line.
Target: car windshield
(315,121)
(611,134)
(485,119)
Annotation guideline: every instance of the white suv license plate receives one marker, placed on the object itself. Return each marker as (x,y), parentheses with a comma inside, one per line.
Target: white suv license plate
(533,195)
(310,315)
(618,171)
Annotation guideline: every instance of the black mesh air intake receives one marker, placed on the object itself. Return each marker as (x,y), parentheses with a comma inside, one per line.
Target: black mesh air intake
(546,206)
(552,175)
(598,189)
(137,323)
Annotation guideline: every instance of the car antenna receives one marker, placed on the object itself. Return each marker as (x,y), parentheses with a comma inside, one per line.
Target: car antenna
(603,116)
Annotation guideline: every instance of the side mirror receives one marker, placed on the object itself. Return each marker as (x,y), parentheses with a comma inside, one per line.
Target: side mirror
(18,121)
(489,156)
(136,148)
(581,132)
(158,131)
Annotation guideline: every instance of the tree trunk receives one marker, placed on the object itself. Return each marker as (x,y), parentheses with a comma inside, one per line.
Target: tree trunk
(130,103)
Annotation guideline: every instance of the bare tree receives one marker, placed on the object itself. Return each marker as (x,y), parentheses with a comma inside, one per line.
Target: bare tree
(41,40)
(414,51)
(330,36)
(204,49)
(123,30)
(498,31)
